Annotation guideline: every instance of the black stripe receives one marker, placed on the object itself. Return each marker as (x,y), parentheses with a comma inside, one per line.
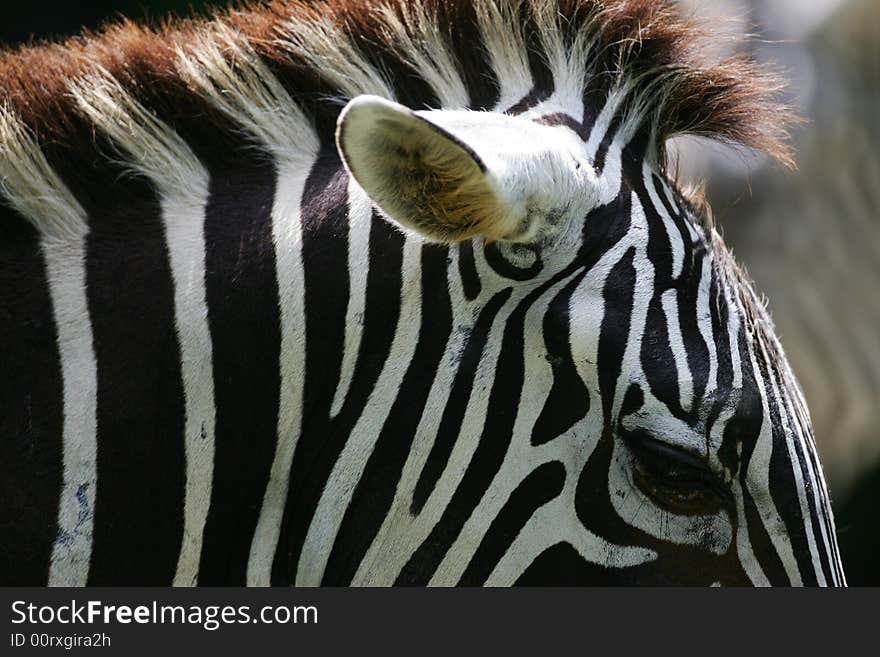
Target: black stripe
(376,488)
(738,444)
(617,296)
(31,414)
(719,314)
(543,84)
(569,399)
(829,557)
(491,447)
(807,466)
(467,269)
(471,55)
(678,220)
(762,546)
(695,347)
(603,228)
(383,305)
(660,368)
(138,523)
(562,119)
(605,144)
(596,96)
(504,267)
(325,270)
(456,406)
(408,85)
(783,488)
(539,487)
(536,96)
(242,295)
(562,565)
(657,359)
(659,247)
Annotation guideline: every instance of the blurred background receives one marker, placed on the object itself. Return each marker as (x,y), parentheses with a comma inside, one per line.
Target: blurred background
(810,239)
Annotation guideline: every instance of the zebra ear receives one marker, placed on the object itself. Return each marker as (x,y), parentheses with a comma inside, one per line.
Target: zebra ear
(420,174)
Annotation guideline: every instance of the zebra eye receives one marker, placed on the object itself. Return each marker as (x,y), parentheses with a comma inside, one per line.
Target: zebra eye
(674,479)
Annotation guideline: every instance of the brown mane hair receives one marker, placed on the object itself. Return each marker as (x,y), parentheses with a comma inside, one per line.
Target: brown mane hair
(673,76)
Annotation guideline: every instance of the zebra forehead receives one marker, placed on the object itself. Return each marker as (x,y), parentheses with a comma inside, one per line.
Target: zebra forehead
(447,53)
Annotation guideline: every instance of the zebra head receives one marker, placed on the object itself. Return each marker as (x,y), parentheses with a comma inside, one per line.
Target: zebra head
(647,425)
(553,372)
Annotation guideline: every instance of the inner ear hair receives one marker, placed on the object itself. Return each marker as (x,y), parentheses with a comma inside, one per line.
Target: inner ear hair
(419,174)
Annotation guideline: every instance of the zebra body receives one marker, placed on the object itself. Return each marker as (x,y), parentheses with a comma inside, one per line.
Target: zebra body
(485,343)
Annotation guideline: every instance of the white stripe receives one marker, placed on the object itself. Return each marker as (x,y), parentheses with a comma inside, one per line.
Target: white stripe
(543,530)
(222,65)
(733,329)
(750,564)
(631,363)
(611,180)
(161,155)
(520,459)
(704,323)
(684,377)
(183,213)
(34,189)
(568,60)
(349,467)
(694,233)
(672,232)
(586,310)
(287,236)
(799,413)
(398,519)
(360,211)
(71,553)
(758,482)
(501,32)
(602,125)
(629,503)
(401,534)
(790,436)
(471,430)
(424,46)
(325,47)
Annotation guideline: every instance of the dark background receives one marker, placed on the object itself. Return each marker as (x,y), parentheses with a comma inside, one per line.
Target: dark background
(810,239)
(21,20)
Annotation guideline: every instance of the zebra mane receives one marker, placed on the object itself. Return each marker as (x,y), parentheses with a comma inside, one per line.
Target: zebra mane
(277,73)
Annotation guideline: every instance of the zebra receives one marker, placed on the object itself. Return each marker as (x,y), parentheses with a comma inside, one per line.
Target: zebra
(377,293)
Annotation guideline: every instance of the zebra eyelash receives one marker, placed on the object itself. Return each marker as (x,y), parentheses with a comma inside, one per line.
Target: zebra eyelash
(676,467)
